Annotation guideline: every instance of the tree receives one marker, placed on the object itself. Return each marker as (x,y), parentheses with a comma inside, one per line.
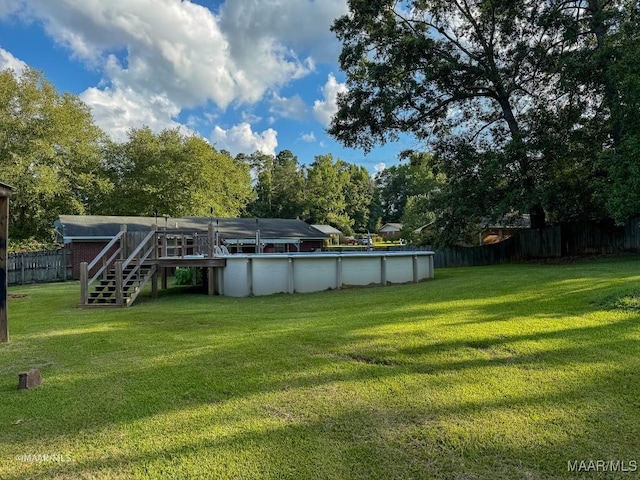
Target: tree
(325,191)
(289,180)
(494,89)
(358,194)
(279,187)
(50,151)
(398,184)
(174,174)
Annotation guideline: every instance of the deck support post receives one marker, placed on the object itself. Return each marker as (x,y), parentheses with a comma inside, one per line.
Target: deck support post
(164,278)
(154,284)
(211,281)
(118,280)
(84,283)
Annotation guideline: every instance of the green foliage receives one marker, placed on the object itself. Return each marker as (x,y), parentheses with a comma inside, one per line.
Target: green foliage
(174,174)
(501,372)
(279,189)
(527,107)
(184,276)
(327,182)
(31,245)
(397,184)
(50,151)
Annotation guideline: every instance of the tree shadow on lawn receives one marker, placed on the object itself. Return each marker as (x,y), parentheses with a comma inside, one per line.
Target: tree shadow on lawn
(213,366)
(352,442)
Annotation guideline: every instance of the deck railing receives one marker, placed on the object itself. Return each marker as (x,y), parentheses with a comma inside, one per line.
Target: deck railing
(105,260)
(141,263)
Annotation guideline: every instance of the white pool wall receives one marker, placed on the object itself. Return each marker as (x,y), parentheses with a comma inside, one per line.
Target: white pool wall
(266,274)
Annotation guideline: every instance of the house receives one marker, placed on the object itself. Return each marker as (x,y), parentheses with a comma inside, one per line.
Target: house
(496,230)
(86,235)
(333,233)
(390,230)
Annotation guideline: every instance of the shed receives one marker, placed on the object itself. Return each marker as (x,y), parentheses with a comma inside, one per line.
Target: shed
(499,229)
(390,230)
(5,194)
(334,233)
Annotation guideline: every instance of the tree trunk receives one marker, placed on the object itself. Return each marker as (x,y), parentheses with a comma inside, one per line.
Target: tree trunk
(537,216)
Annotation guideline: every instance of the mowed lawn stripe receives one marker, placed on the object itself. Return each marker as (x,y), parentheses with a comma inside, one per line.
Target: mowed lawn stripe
(490,372)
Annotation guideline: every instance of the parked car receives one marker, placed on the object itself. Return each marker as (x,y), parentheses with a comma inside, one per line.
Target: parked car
(349,240)
(365,241)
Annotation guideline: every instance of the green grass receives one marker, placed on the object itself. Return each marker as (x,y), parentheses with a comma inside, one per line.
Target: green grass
(504,372)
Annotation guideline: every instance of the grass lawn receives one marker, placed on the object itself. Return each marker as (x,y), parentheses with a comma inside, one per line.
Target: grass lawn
(506,372)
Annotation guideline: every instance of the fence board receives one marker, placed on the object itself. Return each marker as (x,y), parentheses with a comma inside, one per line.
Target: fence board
(569,239)
(38,267)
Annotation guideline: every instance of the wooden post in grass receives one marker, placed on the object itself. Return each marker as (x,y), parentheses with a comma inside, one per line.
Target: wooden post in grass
(5,194)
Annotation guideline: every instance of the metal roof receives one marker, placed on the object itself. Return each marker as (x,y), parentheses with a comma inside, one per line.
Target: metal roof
(92,226)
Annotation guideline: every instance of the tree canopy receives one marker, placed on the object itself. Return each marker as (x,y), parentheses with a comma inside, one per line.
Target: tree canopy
(50,151)
(520,102)
(174,174)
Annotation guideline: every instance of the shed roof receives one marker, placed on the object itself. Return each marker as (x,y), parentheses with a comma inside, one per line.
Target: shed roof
(328,229)
(5,190)
(94,226)
(391,227)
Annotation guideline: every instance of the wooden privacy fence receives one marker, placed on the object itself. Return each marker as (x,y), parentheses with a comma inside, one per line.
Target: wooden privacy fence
(567,239)
(38,267)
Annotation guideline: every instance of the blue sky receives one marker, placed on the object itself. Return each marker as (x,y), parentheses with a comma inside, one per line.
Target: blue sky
(245,74)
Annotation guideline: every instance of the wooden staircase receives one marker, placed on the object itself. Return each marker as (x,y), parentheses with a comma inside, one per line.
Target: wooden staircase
(117,281)
(131,259)
(105,293)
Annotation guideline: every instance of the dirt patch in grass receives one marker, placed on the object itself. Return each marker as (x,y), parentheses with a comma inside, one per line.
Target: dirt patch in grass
(17,295)
(369,360)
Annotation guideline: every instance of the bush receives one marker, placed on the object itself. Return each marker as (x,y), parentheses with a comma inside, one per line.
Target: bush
(184,276)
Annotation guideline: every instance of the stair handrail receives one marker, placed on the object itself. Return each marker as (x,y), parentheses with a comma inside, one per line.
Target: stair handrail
(141,259)
(85,282)
(137,250)
(104,252)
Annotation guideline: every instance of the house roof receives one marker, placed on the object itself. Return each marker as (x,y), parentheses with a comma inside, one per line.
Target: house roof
(98,227)
(507,221)
(328,229)
(391,227)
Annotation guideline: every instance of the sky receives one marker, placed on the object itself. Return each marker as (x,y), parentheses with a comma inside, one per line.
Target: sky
(246,75)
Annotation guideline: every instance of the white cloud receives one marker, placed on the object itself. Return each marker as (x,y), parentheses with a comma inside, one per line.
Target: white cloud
(308,137)
(379,167)
(302,24)
(325,109)
(9,7)
(293,107)
(171,55)
(242,139)
(118,109)
(250,117)
(9,61)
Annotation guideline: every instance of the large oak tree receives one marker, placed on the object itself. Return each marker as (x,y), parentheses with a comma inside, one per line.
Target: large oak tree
(497,89)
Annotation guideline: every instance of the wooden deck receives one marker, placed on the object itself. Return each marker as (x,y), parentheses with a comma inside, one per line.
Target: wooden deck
(117,275)
(187,262)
